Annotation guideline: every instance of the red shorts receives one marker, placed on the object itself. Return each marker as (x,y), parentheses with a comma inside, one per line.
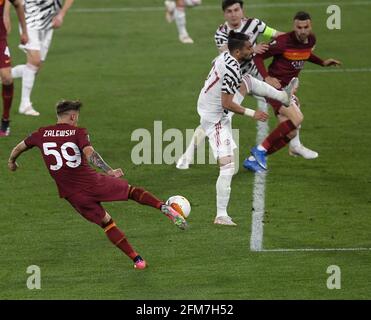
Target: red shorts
(276,105)
(107,189)
(5,60)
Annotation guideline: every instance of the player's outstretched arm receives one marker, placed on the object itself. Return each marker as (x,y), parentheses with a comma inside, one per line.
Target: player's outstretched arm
(331,62)
(229,104)
(95,159)
(18,5)
(16,152)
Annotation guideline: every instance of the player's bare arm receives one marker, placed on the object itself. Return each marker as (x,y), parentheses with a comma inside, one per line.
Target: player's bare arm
(229,104)
(58,19)
(16,152)
(6,17)
(95,159)
(22,20)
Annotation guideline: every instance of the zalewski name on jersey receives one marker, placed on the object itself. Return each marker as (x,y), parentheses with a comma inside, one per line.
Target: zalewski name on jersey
(59,133)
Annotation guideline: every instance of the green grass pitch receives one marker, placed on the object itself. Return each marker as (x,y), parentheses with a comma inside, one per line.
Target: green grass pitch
(129,70)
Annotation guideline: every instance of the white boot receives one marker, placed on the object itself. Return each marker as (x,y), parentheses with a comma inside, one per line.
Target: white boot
(302,152)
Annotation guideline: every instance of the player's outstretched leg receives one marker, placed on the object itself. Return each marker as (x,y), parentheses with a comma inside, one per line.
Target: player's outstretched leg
(118,238)
(146,198)
(174,216)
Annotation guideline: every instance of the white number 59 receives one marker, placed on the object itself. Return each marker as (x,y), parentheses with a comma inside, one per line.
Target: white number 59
(72,161)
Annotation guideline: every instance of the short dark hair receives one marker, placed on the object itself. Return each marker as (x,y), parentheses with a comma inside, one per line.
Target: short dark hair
(228,3)
(302,16)
(64,106)
(236,40)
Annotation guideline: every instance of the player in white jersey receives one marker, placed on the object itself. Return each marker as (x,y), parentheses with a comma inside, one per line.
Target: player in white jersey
(42,17)
(175,10)
(254,28)
(214,102)
(235,20)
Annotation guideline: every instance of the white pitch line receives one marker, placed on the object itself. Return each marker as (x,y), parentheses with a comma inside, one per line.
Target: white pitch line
(315,249)
(205,8)
(258,203)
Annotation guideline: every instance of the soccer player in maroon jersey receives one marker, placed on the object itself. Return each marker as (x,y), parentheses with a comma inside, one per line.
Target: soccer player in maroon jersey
(5,63)
(66,150)
(290,52)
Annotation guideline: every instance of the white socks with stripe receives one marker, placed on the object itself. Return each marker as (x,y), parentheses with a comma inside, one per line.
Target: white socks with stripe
(223,189)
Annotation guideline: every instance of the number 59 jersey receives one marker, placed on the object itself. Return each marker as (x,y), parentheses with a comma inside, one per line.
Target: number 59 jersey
(61,146)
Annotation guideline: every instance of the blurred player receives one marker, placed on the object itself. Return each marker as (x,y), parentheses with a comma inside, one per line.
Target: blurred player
(5,61)
(42,17)
(289,52)
(175,10)
(66,150)
(236,20)
(214,103)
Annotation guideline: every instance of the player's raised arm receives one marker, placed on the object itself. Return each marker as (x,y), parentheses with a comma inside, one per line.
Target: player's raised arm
(95,159)
(16,152)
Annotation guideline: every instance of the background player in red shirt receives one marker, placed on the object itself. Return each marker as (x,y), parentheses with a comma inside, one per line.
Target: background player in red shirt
(5,63)
(66,150)
(289,52)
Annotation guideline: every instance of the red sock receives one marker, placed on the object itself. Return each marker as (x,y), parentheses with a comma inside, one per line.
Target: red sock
(281,131)
(278,145)
(144,197)
(118,238)
(8,90)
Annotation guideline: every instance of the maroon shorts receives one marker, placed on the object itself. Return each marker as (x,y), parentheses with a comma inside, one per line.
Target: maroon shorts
(276,105)
(107,189)
(5,60)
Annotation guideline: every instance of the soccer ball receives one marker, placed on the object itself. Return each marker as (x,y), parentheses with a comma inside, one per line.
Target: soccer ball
(180,204)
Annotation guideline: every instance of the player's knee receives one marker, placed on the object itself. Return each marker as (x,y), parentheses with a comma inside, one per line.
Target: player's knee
(6,79)
(106,220)
(226,165)
(300,119)
(223,161)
